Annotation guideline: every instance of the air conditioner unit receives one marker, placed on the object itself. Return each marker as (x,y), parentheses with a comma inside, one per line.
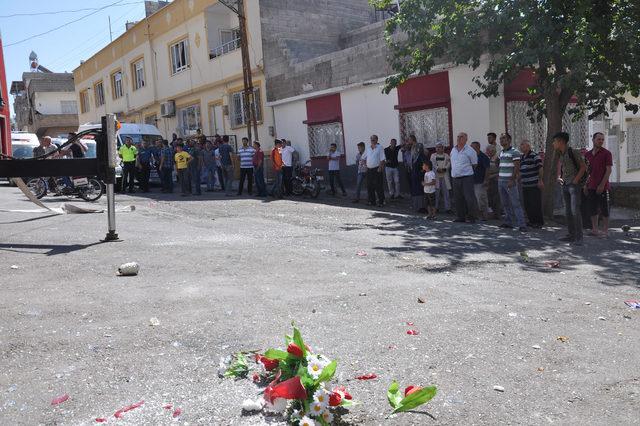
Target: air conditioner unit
(168,109)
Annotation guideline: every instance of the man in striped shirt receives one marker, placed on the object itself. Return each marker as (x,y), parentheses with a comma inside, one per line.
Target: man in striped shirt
(531,173)
(246,166)
(508,177)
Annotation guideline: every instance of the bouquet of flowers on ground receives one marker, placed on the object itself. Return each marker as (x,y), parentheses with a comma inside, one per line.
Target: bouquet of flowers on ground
(298,384)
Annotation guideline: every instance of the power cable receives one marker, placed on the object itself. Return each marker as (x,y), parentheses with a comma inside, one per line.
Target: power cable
(63,25)
(58,12)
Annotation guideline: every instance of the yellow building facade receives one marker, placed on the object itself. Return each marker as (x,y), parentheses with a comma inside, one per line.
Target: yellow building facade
(179,69)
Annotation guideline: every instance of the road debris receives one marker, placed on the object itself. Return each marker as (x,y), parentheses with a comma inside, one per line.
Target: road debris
(633,304)
(563,339)
(128,269)
(413,332)
(409,323)
(361,253)
(168,406)
(536,347)
(498,388)
(60,399)
(602,318)
(101,420)
(362,294)
(552,263)
(250,405)
(154,322)
(422,300)
(118,414)
(587,303)
(14,267)
(369,376)
(177,412)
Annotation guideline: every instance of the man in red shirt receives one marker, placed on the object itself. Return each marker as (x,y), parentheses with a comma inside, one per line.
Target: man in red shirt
(597,188)
(258,170)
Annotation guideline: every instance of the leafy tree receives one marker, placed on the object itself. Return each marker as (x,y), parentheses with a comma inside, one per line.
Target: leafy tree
(589,49)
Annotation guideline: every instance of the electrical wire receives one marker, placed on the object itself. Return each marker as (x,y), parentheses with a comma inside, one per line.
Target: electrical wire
(63,25)
(58,12)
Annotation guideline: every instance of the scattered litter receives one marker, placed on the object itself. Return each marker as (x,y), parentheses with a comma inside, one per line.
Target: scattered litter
(14,267)
(255,378)
(541,369)
(313,311)
(602,318)
(369,376)
(634,304)
(101,420)
(563,273)
(362,294)
(361,253)
(128,269)
(154,322)
(409,323)
(625,316)
(413,332)
(625,229)
(250,405)
(513,314)
(524,256)
(168,407)
(177,412)
(118,414)
(498,388)
(176,344)
(60,399)
(587,303)
(536,347)
(392,347)
(563,339)
(421,300)
(325,251)
(343,273)
(552,264)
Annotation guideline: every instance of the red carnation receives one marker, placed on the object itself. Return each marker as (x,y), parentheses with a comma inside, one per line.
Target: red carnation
(343,391)
(289,389)
(411,389)
(269,364)
(295,350)
(335,399)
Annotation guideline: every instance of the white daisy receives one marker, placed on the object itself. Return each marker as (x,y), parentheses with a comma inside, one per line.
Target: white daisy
(306,421)
(314,368)
(321,396)
(317,409)
(327,416)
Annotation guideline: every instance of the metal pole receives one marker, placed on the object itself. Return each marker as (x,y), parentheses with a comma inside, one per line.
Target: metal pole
(110,32)
(111,199)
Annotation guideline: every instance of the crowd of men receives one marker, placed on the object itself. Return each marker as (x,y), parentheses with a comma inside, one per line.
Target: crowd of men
(503,182)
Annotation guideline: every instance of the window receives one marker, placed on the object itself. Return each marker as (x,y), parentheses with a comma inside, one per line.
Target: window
(151,119)
(116,83)
(189,119)
(239,112)
(84,101)
(429,126)
(321,136)
(633,146)
(69,107)
(137,69)
(98,89)
(229,41)
(179,56)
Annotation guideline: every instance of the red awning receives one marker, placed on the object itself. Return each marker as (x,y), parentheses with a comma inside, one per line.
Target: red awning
(428,91)
(325,109)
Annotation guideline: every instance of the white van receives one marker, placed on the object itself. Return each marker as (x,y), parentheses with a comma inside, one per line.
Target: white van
(138,133)
(22,144)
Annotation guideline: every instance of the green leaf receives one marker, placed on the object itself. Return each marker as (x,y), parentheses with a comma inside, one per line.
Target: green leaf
(416,399)
(239,367)
(346,402)
(276,354)
(393,395)
(287,339)
(297,339)
(327,372)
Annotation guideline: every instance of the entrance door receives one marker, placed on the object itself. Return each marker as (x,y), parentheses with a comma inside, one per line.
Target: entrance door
(216,120)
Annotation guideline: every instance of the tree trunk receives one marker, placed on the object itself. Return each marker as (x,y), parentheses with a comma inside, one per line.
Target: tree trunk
(555,111)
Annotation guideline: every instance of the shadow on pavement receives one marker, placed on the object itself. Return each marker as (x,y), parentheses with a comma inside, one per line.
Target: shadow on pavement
(46,249)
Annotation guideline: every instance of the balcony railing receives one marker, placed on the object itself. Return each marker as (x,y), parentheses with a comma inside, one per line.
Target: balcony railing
(224,48)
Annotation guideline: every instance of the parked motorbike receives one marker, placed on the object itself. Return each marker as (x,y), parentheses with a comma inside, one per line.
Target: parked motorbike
(307,181)
(89,189)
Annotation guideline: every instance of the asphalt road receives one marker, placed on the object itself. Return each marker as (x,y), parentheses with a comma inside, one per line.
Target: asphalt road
(223,275)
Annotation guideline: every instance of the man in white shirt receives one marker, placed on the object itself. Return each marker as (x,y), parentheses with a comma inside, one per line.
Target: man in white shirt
(334,170)
(375,160)
(287,167)
(463,160)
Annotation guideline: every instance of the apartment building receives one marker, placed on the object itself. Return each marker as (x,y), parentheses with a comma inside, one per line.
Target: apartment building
(179,69)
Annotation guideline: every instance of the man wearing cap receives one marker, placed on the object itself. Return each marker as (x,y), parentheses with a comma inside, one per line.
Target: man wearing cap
(128,152)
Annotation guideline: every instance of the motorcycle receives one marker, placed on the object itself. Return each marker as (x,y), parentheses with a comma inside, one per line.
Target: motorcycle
(307,181)
(89,189)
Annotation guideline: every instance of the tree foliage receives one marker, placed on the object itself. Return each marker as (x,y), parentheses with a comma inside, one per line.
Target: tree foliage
(586,48)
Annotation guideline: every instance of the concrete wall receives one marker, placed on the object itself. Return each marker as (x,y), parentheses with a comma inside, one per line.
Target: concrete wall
(49,102)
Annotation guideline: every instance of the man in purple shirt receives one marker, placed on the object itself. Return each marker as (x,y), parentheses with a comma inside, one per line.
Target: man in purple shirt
(597,188)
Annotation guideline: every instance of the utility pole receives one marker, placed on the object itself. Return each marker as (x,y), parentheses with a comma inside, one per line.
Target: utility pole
(248,95)
(110,32)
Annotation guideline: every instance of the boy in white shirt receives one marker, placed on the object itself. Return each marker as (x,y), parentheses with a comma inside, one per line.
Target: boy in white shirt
(429,185)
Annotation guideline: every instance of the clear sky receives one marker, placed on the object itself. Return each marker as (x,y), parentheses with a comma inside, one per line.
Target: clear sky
(63,49)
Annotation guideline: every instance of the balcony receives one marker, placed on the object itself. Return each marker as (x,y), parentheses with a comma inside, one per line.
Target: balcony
(225,48)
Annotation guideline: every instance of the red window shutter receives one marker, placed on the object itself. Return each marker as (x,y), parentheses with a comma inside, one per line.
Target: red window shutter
(428,91)
(325,109)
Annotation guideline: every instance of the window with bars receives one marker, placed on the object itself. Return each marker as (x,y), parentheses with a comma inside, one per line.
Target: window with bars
(138,74)
(98,91)
(321,136)
(520,127)
(189,119)
(239,113)
(430,126)
(116,83)
(84,101)
(179,56)
(633,146)
(69,107)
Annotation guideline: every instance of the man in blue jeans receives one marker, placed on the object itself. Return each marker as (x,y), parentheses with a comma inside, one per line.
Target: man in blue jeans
(508,185)
(572,178)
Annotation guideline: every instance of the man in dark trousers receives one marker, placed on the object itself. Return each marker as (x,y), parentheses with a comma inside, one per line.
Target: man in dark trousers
(375,161)
(128,153)
(143,164)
